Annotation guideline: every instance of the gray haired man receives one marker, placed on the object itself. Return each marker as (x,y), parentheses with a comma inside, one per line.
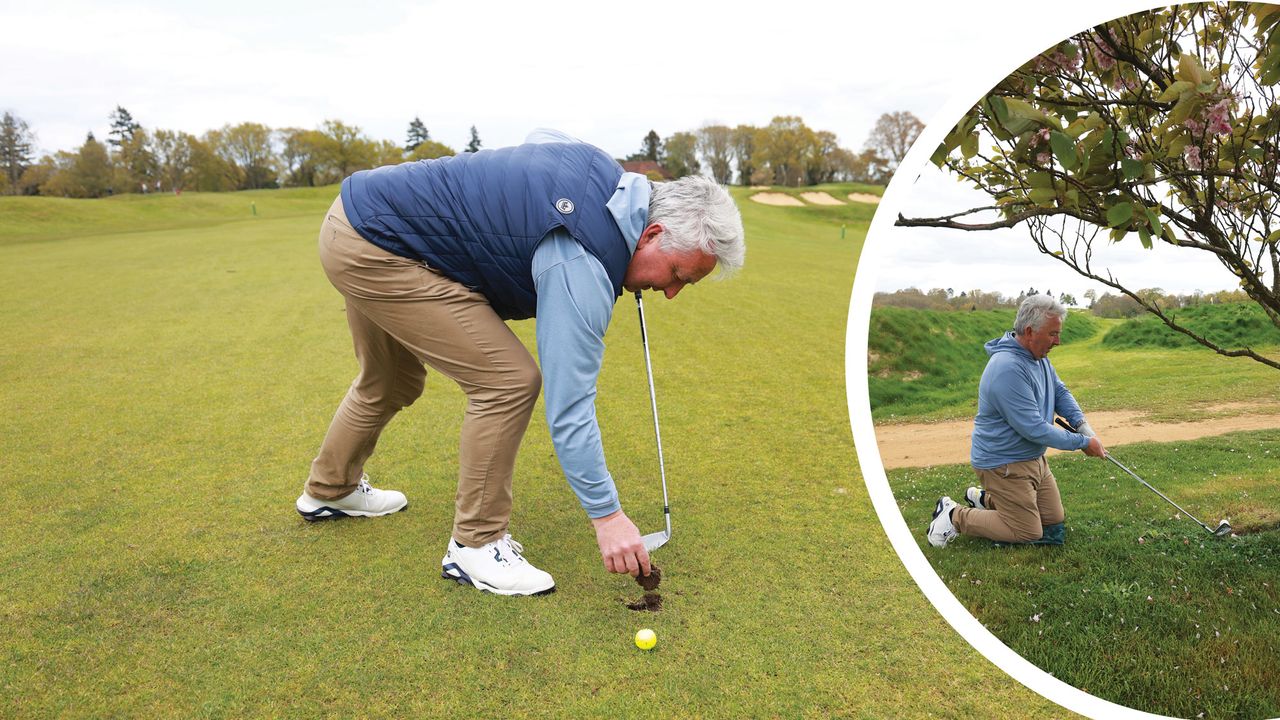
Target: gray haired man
(432,257)
(1018,396)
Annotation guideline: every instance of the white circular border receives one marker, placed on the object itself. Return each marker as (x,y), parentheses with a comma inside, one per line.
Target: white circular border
(981,73)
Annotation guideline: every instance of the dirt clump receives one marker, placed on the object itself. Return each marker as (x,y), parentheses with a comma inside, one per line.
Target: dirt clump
(652,600)
(651,581)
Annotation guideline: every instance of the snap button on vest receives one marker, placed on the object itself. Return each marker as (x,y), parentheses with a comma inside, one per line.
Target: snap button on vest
(564,205)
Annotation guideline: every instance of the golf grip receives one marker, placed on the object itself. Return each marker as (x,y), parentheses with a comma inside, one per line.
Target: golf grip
(1064,424)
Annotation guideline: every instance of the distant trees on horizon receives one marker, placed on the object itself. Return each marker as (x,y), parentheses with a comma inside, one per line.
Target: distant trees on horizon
(248,155)
(1106,305)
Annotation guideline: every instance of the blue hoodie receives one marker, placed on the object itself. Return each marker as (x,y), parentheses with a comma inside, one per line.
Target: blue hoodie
(1017,399)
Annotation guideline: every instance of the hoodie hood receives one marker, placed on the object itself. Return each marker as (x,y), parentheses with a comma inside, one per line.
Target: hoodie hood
(1007,343)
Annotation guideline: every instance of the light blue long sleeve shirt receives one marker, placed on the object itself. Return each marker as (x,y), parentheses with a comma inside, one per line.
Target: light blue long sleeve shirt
(575,305)
(1017,399)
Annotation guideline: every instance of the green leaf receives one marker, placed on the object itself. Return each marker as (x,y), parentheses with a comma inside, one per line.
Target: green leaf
(1120,214)
(1039,180)
(1132,168)
(998,108)
(1174,91)
(1184,109)
(1190,69)
(940,155)
(1022,110)
(969,147)
(1043,196)
(1144,235)
(1153,221)
(1064,149)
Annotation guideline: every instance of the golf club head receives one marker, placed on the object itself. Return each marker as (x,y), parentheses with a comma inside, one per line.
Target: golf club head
(653,541)
(1223,529)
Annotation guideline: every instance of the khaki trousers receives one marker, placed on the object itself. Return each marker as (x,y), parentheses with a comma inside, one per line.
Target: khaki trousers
(403,317)
(1022,497)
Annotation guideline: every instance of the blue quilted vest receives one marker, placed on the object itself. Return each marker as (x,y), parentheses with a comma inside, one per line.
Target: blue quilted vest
(477,217)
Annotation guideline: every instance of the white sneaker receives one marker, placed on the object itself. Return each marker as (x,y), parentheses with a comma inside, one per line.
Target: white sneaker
(496,567)
(976,497)
(366,501)
(941,531)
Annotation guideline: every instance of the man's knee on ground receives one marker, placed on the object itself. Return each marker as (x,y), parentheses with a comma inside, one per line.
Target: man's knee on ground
(1027,534)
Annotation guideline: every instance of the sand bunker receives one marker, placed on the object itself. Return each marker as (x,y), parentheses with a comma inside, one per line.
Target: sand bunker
(865,198)
(776,199)
(820,198)
(947,443)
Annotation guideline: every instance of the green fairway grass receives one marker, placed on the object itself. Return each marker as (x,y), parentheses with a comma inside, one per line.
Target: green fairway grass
(1141,607)
(171,365)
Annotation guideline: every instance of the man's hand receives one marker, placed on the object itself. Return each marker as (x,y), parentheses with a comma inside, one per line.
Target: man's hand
(620,545)
(1094,448)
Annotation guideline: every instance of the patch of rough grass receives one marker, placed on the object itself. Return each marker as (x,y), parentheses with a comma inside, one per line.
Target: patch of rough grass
(1141,606)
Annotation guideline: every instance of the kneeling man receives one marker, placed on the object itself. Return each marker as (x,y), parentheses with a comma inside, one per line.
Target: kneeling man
(1018,396)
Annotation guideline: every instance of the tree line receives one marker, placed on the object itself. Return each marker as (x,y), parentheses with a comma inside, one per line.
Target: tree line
(249,156)
(1106,305)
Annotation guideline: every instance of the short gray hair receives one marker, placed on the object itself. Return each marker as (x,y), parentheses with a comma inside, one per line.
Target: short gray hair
(1035,310)
(697,214)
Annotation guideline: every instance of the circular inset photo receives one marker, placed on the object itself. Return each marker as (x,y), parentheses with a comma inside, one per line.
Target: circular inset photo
(1073,365)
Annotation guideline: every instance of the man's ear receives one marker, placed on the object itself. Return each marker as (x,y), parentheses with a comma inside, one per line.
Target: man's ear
(649,234)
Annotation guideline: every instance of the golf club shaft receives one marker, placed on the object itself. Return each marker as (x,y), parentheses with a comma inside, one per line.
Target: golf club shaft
(653,399)
(1152,489)
(1135,476)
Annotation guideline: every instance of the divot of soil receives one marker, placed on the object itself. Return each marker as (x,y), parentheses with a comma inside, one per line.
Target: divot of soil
(651,581)
(652,601)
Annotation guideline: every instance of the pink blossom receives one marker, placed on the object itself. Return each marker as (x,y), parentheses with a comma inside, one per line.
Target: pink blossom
(1193,125)
(1218,115)
(1101,52)
(1048,62)
(1191,154)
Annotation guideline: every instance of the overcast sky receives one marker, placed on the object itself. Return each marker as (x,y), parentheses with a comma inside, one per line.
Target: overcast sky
(604,72)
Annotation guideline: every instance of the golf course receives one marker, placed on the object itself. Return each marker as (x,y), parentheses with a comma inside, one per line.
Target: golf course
(171,364)
(1142,606)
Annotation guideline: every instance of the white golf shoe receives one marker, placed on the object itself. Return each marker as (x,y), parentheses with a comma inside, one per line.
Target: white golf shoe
(976,497)
(496,567)
(941,530)
(366,501)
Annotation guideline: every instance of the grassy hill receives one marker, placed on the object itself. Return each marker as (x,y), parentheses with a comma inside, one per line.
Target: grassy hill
(1229,325)
(919,360)
(35,219)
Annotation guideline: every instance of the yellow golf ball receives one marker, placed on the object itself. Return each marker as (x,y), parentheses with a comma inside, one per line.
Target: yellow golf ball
(646,639)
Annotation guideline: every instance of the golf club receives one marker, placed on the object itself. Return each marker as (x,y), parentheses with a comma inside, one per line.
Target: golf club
(654,540)
(1224,527)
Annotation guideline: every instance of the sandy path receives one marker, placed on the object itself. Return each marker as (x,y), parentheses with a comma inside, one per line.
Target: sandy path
(776,199)
(947,443)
